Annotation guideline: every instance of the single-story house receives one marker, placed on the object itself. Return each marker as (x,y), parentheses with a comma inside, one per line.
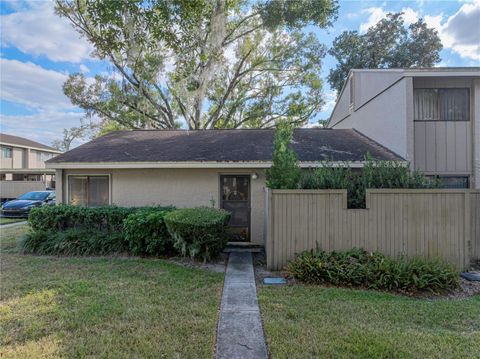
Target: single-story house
(221,168)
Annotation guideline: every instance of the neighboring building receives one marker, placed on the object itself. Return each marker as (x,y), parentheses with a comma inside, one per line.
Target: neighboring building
(431,117)
(221,168)
(22,166)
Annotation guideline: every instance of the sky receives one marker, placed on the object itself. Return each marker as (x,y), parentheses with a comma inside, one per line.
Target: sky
(39,50)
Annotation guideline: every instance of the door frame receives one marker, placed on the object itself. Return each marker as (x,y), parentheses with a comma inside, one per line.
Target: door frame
(249,205)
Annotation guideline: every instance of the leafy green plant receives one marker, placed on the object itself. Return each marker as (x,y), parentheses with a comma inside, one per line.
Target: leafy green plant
(63,216)
(198,232)
(73,242)
(146,232)
(285,172)
(374,174)
(357,267)
(74,230)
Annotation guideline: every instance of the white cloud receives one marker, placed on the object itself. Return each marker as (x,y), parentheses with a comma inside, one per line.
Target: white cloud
(36,30)
(84,69)
(409,15)
(330,97)
(31,85)
(376,14)
(44,126)
(461,31)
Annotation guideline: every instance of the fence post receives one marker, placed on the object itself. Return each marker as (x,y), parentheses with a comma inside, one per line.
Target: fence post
(270,234)
(468,247)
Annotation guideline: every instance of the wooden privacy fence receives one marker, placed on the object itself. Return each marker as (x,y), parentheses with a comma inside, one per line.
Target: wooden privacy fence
(441,223)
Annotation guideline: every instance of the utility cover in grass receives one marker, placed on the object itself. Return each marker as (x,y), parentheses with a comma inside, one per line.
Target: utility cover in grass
(274,281)
(471,276)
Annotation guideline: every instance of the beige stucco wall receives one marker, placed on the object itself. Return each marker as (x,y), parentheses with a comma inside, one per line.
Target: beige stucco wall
(178,187)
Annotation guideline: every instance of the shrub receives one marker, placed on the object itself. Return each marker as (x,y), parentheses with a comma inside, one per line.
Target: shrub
(374,174)
(285,172)
(373,270)
(198,232)
(146,232)
(74,242)
(104,219)
(74,230)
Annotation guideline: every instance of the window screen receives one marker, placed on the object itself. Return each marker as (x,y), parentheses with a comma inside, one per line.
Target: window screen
(450,181)
(441,104)
(6,152)
(89,191)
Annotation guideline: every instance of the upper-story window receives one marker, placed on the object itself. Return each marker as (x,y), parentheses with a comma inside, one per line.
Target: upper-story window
(449,104)
(6,152)
(43,156)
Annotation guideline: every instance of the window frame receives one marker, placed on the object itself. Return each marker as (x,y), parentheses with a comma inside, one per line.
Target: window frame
(469,94)
(43,156)
(467,177)
(67,187)
(10,149)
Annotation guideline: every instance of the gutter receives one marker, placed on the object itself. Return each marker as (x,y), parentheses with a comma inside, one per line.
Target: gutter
(194,165)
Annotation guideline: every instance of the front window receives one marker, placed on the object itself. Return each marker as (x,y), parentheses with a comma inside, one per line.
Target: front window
(88,191)
(450,181)
(450,104)
(34,196)
(6,152)
(43,156)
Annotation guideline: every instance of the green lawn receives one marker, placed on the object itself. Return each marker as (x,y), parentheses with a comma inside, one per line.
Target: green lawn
(316,322)
(11,220)
(104,307)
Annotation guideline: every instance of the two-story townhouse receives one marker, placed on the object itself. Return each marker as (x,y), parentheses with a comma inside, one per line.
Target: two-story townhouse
(22,166)
(430,117)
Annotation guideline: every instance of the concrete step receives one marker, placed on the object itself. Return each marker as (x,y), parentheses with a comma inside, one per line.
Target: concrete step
(243,247)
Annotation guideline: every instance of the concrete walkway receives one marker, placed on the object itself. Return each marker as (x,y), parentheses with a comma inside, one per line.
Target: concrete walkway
(12,224)
(240,332)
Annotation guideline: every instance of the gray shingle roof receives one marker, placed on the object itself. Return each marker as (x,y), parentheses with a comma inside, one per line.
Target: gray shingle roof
(244,145)
(21,141)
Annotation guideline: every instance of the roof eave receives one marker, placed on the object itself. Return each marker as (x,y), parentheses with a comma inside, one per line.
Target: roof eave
(11,144)
(193,165)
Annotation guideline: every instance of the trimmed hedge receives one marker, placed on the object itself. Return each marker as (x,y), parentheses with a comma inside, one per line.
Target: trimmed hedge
(61,217)
(198,232)
(74,230)
(357,267)
(146,232)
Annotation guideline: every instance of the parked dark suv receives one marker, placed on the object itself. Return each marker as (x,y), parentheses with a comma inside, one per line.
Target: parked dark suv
(21,206)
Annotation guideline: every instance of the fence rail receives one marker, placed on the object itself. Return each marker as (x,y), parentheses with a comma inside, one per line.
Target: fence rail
(441,223)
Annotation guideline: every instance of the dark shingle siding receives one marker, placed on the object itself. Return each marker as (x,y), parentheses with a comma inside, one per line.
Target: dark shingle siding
(246,145)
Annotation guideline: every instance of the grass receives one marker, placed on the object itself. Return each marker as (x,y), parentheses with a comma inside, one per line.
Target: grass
(4,220)
(313,321)
(104,307)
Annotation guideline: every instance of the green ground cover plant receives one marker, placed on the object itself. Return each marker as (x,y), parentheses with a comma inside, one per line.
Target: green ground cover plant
(357,267)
